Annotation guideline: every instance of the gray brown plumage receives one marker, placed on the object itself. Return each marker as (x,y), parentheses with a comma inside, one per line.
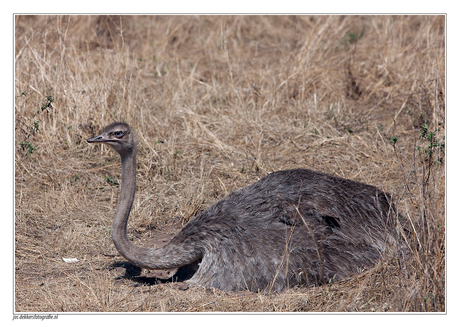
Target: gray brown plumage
(291,227)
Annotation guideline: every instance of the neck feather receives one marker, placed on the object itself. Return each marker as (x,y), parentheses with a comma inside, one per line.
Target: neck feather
(170,256)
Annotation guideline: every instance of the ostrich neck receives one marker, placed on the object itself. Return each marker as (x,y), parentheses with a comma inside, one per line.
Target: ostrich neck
(128,189)
(170,256)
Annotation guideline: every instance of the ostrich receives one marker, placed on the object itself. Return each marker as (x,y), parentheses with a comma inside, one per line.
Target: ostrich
(292,227)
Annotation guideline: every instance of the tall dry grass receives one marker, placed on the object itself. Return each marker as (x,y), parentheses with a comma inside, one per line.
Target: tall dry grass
(218,102)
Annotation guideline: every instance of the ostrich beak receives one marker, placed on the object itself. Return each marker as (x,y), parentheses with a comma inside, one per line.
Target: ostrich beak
(98,139)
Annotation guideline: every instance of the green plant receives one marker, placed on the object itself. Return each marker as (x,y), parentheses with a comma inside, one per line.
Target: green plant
(35,127)
(27,147)
(48,104)
(111,181)
(352,37)
(75,179)
(432,144)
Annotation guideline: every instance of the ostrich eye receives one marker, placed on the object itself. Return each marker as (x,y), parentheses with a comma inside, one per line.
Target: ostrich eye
(118,134)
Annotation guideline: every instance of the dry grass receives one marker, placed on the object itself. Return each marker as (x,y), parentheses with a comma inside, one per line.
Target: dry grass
(218,102)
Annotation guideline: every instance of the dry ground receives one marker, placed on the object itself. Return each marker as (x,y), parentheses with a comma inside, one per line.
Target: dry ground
(218,102)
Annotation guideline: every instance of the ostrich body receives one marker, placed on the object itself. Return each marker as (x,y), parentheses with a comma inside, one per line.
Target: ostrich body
(291,227)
